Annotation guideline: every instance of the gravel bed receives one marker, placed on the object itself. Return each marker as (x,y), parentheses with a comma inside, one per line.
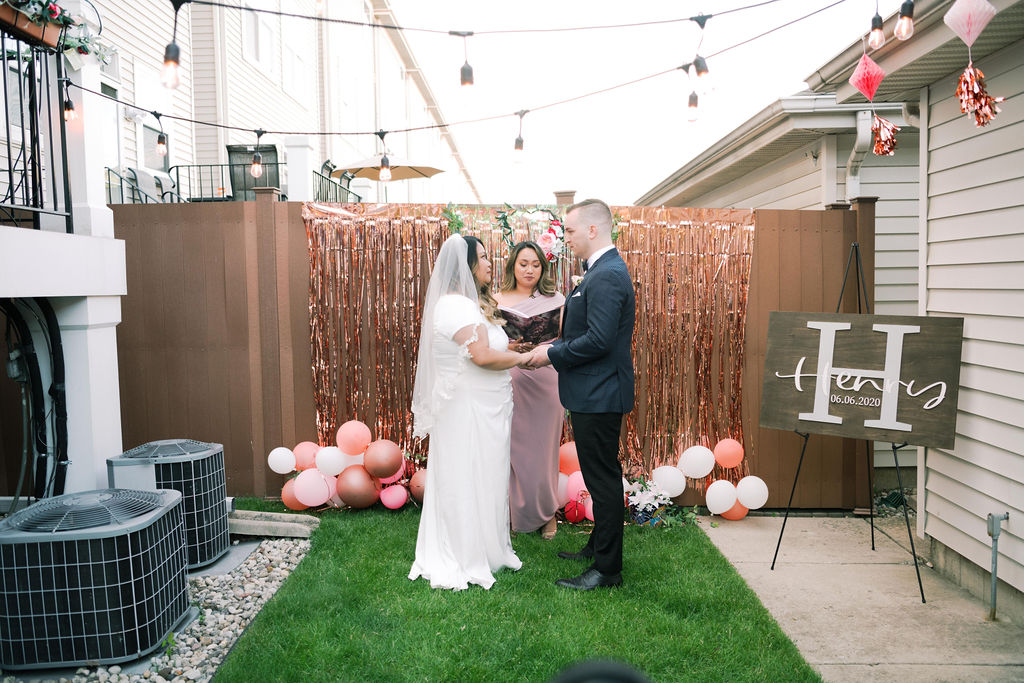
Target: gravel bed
(226,603)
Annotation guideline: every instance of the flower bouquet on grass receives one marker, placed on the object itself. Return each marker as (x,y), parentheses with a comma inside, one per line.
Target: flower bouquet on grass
(647,503)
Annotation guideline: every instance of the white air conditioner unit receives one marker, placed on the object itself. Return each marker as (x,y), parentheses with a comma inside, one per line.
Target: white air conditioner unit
(95,577)
(194,468)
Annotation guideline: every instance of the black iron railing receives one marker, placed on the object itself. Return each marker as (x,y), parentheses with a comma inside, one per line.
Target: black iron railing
(34,170)
(222,182)
(327,189)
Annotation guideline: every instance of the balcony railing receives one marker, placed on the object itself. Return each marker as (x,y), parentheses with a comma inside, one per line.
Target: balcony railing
(121,190)
(34,168)
(327,189)
(222,182)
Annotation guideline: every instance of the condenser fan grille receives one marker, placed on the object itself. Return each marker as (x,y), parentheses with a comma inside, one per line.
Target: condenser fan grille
(168,448)
(85,511)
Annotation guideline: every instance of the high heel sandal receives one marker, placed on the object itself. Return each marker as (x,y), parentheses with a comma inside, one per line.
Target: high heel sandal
(550,529)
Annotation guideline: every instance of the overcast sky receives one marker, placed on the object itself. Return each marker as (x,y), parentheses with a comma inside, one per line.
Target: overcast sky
(619,144)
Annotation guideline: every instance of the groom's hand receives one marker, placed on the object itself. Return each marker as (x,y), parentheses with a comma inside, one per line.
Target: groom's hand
(539,356)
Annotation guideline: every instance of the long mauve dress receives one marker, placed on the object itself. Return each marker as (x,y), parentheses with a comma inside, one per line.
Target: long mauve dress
(537,417)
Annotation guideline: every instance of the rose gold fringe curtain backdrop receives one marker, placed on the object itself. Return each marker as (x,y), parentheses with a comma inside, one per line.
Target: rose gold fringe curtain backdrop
(369,265)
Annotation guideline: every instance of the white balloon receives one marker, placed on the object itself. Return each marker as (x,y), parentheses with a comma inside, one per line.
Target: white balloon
(697,461)
(281,460)
(330,460)
(563,489)
(351,460)
(752,492)
(721,496)
(670,480)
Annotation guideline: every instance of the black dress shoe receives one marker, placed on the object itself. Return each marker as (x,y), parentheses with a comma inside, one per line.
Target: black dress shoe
(581,555)
(591,579)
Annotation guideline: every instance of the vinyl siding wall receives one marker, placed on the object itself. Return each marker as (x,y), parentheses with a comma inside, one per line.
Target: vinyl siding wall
(974,265)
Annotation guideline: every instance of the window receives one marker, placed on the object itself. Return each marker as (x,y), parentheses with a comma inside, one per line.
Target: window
(299,43)
(258,34)
(150,158)
(17,96)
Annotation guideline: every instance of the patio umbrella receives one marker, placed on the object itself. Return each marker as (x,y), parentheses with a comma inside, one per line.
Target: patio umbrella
(400,169)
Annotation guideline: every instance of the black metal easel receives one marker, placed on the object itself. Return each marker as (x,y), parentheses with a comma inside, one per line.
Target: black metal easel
(861,286)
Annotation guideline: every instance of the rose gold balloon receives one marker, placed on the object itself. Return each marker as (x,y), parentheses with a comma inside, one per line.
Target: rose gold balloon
(382,458)
(357,488)
(418,484)
(288,496)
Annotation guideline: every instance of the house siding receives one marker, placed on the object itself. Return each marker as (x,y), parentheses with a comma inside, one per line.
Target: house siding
(974,267)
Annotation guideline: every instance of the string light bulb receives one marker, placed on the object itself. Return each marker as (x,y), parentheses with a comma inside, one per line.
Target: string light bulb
(385,169)
(519,139)
(161,144)
(700,67)
(69,110)
(466,73)
(692,107)
(170,75)
(876,38)
(256,169)
(905,24)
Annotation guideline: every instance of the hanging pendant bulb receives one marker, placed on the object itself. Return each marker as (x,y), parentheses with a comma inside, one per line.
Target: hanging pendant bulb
(385,169)
(519,138)
(256,170)
(69,110)
(467,74)
(161,144)
(519,143)
(700,68)
(170,75)
(692,108)
(905,25)
(876,38)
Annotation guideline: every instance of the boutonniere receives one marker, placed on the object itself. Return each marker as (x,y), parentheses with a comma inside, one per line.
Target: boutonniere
(576,280)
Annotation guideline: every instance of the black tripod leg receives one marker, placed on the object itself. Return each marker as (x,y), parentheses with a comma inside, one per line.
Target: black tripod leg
(906,517)
(871,493)
(790,503)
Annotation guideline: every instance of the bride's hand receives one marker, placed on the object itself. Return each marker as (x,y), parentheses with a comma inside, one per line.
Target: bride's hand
(524,361)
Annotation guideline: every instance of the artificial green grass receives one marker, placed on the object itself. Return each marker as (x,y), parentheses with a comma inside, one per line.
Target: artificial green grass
(348,613)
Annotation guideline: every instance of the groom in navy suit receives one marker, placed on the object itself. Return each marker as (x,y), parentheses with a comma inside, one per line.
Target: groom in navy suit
(595,381)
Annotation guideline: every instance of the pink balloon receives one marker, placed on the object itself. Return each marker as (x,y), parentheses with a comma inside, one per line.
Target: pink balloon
(588,508)
(311,488)
(305,455)
(332,486)
(399,473)
(728,453)
(575,485)
(394,497)
(353,437)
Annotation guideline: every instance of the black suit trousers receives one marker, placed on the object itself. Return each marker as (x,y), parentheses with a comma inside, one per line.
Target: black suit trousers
(597,444)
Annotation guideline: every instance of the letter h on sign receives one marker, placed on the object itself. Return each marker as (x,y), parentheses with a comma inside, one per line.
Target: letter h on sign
(889,375)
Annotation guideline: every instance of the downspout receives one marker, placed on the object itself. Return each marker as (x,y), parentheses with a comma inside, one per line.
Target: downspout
(994,527)
(861,145)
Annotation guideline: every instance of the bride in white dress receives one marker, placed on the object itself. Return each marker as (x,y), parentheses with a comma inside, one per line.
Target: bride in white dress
(462,399)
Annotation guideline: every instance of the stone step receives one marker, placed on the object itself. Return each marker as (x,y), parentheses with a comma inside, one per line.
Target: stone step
(255,523)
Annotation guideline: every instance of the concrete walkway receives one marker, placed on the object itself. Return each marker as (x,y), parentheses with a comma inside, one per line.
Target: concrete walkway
(856,614)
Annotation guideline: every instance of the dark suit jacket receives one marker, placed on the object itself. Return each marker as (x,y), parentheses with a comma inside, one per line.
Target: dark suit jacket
(593,356)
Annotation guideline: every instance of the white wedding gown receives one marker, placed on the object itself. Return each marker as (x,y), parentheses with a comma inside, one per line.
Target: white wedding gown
(464,526)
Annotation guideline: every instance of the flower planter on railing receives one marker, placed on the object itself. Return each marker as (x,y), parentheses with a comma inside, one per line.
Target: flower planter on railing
(21,27)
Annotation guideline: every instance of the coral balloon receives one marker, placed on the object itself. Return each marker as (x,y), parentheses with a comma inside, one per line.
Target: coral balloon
(563,489)
(311,488)
(736,512)
(330,461)
(288,496)
(588,508)
(752,492)
(382,458)
(353,437)
(574,511)
(418,484)
(720,496)
(670,480)
(575,485)
(357,488)
(305,455)
(394,497)
(399,473)
(728,453)
(281,460)
(568,459)
(696,462)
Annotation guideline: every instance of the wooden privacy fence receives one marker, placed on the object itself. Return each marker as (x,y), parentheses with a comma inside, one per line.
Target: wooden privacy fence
(217,343)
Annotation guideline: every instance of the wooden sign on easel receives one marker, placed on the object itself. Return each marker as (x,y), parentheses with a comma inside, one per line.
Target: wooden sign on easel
(876,377)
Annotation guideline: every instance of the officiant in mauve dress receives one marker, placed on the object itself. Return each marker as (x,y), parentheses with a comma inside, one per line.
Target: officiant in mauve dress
(528,289)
